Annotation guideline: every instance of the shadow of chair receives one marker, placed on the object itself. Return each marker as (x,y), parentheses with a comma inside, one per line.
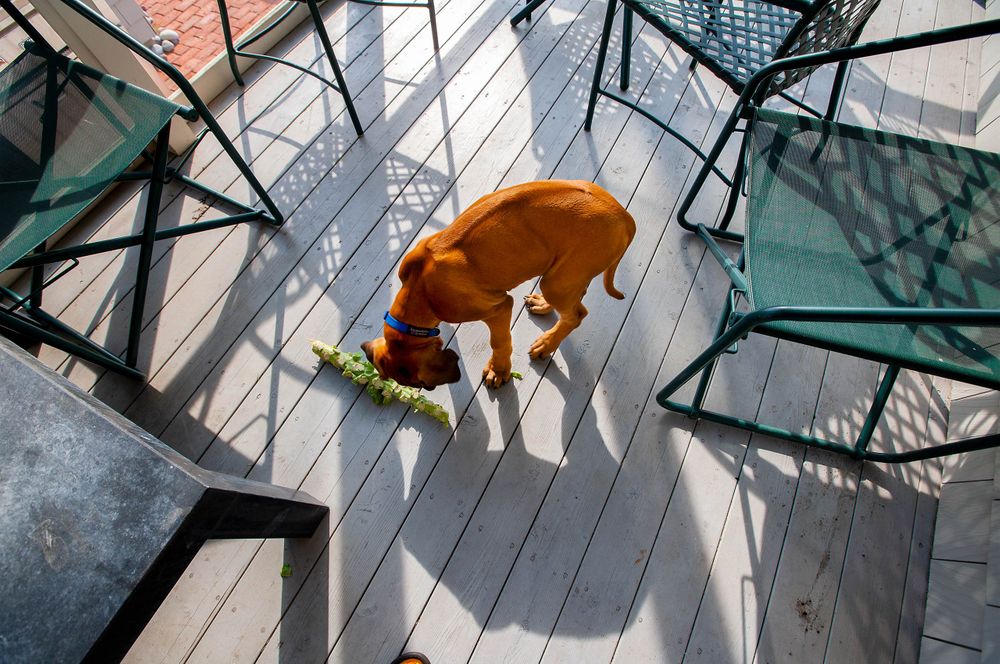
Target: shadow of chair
(858,241)
(68,133)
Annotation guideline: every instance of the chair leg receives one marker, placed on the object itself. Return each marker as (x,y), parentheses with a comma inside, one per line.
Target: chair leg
(146,245)
(338,75)
(602,54)
(706,375)
(434,25)
(875,412)
(227,35)
(836,91)
(37,281)
(705,364)
(525,14)
(709,166)
(627,15)
(47,329)
(212,125)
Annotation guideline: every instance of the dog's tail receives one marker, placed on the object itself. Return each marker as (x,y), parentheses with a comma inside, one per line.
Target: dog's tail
(609,280)
(609,274)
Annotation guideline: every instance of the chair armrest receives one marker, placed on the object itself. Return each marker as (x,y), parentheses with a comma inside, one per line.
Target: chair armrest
(868,49)
(903,315)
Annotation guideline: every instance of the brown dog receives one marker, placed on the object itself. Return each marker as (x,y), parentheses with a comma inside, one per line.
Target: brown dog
(567,231)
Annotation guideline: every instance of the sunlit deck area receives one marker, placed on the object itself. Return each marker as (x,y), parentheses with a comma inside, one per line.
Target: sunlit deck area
(565,517)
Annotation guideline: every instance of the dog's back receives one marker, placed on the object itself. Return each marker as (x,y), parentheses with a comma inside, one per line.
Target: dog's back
(528,230)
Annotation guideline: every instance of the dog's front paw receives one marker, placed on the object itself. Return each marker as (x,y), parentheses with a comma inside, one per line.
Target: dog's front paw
(536,304)
(494,378)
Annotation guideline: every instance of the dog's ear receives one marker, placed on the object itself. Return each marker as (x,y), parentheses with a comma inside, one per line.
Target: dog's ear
(368,349)
(445,368)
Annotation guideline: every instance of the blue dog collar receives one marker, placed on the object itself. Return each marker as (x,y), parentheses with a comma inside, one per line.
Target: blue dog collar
(411,330)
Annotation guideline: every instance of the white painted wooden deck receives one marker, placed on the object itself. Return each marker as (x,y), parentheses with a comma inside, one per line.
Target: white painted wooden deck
(567,517)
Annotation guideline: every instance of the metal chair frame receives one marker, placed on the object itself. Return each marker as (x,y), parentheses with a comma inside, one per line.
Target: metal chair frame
(802,35)
(733,326)
(25,317)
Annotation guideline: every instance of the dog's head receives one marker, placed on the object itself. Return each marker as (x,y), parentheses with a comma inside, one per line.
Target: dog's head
(425,364)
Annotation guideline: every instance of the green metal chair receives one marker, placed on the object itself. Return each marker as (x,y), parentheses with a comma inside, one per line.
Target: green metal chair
(339,84)
(862,242)
(735,40)
(67,133)
(525,13)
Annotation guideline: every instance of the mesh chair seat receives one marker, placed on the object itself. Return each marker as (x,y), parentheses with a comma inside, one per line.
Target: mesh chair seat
(53,164)
(840,216)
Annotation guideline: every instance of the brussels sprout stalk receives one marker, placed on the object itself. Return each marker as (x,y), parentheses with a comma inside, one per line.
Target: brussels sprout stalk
(381,390)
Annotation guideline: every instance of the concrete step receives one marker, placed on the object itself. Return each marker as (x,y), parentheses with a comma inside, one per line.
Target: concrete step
(991,615)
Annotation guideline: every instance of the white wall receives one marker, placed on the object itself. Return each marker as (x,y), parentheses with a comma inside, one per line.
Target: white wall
(988,120)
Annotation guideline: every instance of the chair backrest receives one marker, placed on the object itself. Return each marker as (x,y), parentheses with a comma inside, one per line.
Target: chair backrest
(830,24)
(735,39)
(66,132)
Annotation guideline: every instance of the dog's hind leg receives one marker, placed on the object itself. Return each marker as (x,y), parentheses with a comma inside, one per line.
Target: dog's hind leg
(497,370)
(568,302)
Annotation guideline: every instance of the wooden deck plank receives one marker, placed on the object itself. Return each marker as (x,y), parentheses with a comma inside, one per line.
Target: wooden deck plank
(991,634)
(662,613)
(973,416)
(933,651)
(735,598)
(660,622)
(993,557)
(869,601)
(800,609)
(970,466)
